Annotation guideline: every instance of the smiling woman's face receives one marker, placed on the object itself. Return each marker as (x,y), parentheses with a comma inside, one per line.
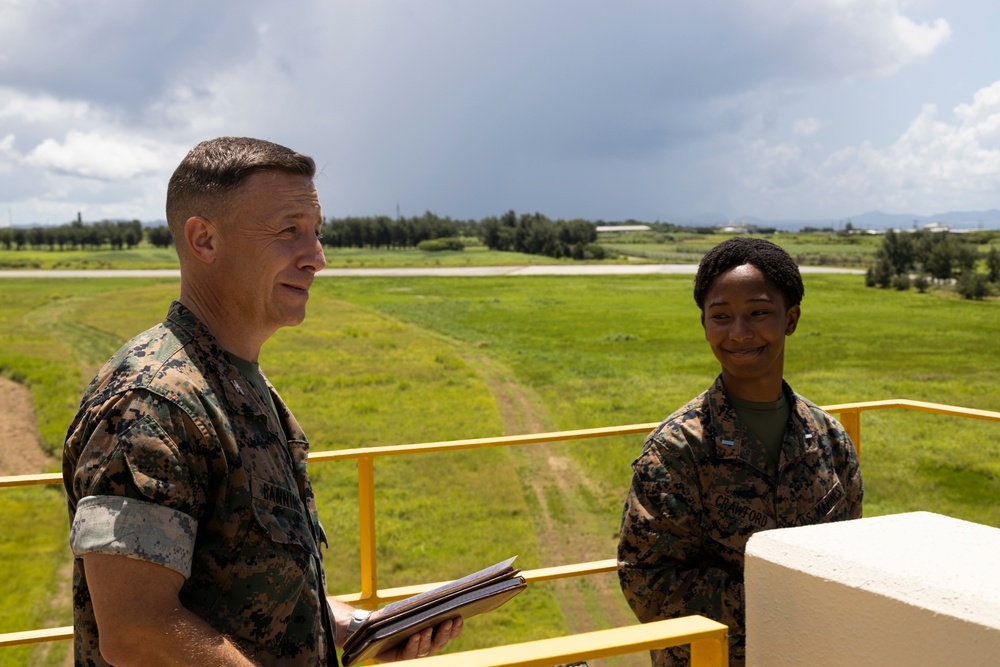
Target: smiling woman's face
(746,322)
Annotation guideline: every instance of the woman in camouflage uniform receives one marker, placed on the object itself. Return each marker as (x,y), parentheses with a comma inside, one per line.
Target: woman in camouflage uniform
(748,454)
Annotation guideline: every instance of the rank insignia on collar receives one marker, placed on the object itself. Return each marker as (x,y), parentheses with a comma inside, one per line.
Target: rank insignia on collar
(237,386)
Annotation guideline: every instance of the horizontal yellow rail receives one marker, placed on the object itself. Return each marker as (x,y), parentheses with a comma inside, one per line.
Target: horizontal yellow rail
(850,413)
(847,412)
(480,443)
(36,636)
(531,576)
(709,646)
(10,482)
(398,450)
(385,595)
(923,406)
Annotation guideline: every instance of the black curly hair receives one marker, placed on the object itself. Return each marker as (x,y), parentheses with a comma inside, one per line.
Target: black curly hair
(777,266)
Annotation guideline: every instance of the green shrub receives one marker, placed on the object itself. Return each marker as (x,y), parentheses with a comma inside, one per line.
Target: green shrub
(438,245)
(879,275)
(972,285)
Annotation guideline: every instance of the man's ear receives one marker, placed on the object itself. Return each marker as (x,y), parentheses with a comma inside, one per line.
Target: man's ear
(202,238)
(792,320)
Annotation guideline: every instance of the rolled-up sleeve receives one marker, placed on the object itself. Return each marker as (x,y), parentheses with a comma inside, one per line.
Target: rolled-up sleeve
(139,471)
(138,529)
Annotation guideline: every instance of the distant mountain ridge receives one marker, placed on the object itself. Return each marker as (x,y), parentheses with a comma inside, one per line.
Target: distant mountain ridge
(965,219)
(871,220)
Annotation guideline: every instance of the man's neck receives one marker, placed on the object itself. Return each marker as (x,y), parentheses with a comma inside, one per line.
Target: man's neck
(230,332)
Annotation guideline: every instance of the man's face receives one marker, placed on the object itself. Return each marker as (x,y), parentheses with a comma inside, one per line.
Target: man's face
(745,322)
(270,250)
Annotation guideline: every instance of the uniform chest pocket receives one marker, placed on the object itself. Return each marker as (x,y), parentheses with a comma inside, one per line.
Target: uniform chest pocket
(810,491)
(264,585)
(280,513)
(731,518)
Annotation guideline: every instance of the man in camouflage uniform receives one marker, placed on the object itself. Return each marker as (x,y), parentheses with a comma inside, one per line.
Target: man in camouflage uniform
(748,454)
(193,520)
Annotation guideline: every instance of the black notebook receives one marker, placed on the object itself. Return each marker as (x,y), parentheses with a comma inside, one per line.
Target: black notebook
(477,593)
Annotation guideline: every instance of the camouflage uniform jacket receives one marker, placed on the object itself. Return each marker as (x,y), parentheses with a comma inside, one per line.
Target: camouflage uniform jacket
(175,459)
(701,488)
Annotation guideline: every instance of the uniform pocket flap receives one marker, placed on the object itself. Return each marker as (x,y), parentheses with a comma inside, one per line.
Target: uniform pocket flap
(280,513)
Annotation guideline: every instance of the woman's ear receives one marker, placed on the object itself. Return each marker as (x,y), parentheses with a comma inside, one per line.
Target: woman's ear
(202,238)
(792,320)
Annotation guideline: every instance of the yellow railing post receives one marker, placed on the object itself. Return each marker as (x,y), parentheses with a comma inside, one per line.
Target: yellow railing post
(710,653)
(366,517)
(850,419)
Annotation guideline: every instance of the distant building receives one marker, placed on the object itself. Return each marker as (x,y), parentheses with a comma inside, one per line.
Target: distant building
(735,228)
(622,228)
(929,227)
(937,227)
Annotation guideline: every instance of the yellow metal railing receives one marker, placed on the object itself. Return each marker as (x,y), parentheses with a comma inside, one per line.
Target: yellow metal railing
(850,413)
(708,640)
(371,597)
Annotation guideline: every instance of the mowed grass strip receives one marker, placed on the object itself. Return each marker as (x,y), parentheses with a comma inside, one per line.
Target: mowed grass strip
(45,345)
(140,257)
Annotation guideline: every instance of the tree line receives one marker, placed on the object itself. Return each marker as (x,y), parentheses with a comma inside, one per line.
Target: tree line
(384,232)
(526,233)
(531,233)
(534,234)
(76,235)
(918,258)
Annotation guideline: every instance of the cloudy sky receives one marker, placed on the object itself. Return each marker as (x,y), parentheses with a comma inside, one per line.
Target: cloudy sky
(652,110)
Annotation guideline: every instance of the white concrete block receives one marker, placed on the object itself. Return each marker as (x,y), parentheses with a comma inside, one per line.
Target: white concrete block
(905,590)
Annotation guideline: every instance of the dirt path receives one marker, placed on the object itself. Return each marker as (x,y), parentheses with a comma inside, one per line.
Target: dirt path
(20,451)
(566,531)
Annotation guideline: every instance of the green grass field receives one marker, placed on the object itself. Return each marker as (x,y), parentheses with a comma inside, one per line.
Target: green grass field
(145,257)
(809,249)
(386,361)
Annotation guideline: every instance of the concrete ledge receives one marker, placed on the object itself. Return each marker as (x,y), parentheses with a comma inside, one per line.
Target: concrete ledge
(906,589)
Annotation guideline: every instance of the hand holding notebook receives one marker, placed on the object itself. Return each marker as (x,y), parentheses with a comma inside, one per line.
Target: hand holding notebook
(474,594)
